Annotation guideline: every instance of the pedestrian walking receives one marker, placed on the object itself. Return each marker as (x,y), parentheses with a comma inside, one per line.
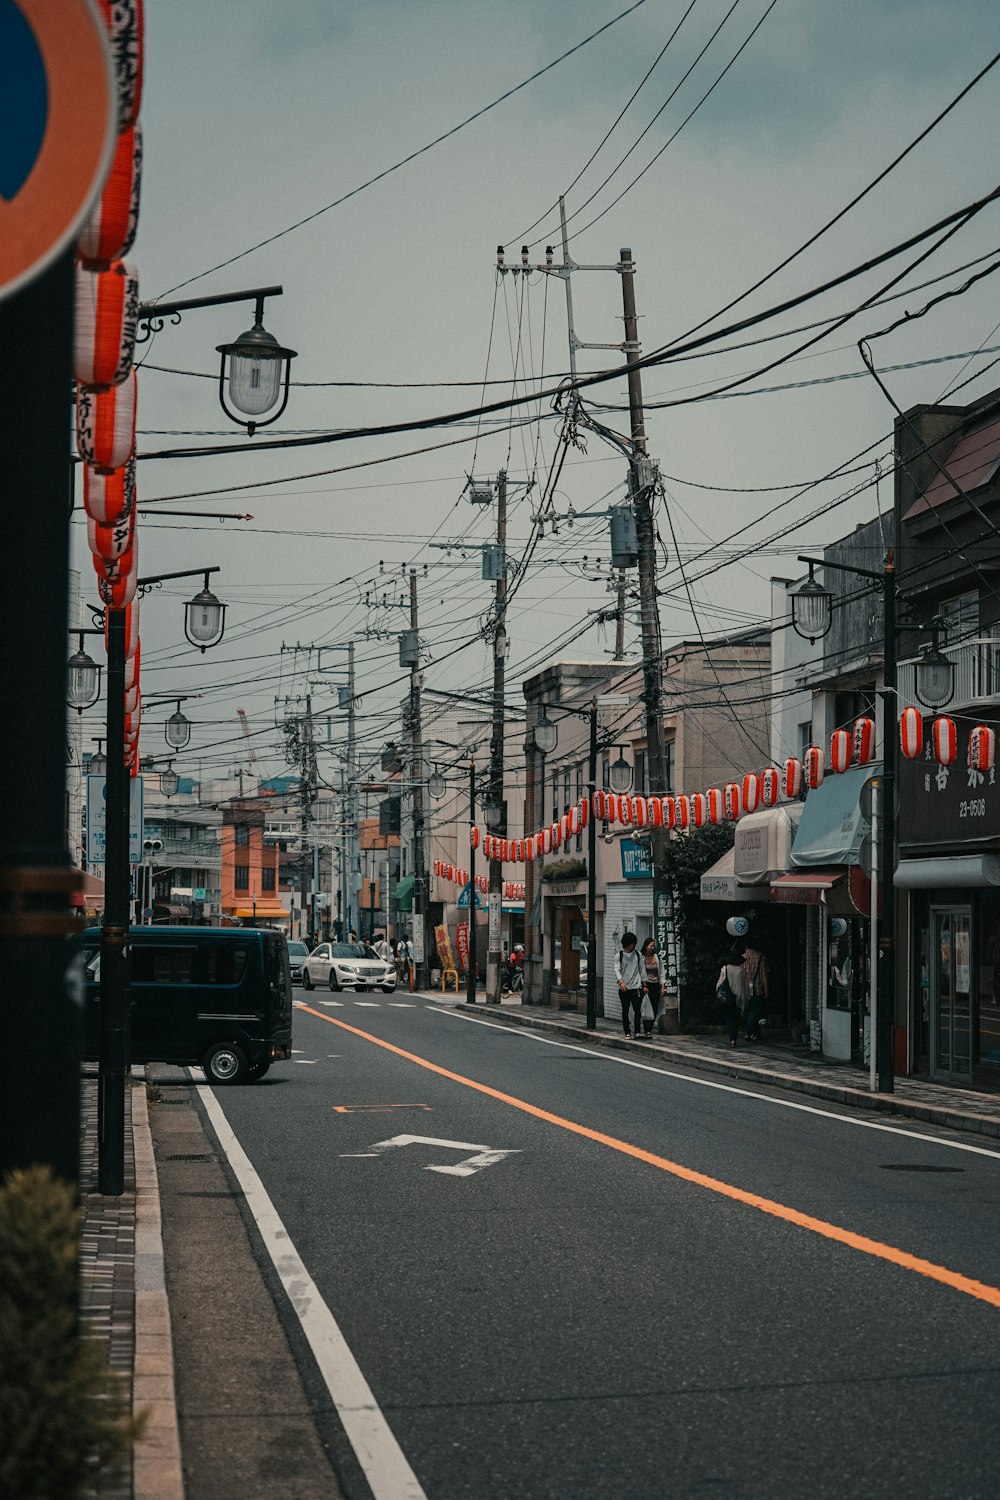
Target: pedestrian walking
(653,979)
(381,947)
(755,973)
(731,992)
(628,972)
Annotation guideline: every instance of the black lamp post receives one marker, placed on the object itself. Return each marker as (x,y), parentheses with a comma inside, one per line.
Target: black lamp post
(812,617)
(546,738)
(113,1054)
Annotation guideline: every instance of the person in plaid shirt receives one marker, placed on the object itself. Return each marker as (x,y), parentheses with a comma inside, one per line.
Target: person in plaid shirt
(755,970)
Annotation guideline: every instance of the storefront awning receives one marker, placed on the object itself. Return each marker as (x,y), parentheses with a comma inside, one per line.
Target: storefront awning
(262,913)
(804,887)
(831,827)
(720,883)
(763,844)
(404,893)
(969,870)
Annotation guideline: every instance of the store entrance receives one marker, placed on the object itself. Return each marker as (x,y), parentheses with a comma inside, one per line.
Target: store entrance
(951,993)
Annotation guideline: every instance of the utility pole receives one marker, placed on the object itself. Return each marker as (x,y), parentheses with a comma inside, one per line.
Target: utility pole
(472,976)
(642,478)
(307,786)
(416,777)
(620,618)
(495,898)
(354,832)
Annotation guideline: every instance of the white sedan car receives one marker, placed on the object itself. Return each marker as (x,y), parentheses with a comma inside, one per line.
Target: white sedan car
(347,966)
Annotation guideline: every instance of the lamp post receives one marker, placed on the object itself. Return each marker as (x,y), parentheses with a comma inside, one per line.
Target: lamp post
(113,1054)
(812,618)
(546,739)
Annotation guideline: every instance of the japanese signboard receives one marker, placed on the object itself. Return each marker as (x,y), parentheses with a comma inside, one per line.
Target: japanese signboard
(948,804)
(97,820)
(637,860)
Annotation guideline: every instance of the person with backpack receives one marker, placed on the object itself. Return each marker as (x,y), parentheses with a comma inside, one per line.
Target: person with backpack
(653,979)
(755,970)
(628,972)
(731,992)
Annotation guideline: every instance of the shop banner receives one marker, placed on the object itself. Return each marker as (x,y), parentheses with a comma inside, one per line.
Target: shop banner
(462,944)
(443,941)
(948,805)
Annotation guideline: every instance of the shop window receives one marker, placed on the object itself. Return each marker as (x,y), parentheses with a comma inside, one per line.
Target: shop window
(241,877)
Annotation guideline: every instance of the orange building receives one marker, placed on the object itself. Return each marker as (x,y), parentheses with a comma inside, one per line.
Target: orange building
(249,867)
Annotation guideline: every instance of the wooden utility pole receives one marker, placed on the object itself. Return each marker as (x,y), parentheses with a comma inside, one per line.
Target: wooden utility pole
(620,618)
(417,803)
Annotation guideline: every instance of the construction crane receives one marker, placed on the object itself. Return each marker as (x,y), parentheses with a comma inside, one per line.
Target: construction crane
(251,753)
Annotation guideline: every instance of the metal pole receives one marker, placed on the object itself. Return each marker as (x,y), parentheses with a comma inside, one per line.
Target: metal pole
(305,809)
(592,876)
(352,777)
(873,949)
(887,853)
(115,965)
(531,757)
(651,655)
(39,1100)
(419,870)
(470,988)
(620,618)
(495,898)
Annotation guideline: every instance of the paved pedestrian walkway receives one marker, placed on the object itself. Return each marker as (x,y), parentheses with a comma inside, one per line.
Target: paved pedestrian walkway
(123,1299)
(785,1067)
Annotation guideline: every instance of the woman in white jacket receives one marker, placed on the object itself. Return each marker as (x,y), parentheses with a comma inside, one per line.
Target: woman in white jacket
(732,991)
(653,979)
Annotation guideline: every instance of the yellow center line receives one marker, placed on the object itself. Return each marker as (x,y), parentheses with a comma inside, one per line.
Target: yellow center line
(954,1279)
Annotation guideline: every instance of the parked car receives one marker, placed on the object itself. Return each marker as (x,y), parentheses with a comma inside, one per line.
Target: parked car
(217,997)
(297,955)
(347,966)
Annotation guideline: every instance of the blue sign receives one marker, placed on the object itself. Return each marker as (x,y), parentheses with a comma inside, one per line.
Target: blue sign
(464,899)
(637,860)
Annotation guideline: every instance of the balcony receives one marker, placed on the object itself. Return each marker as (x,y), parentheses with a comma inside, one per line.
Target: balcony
(977,673)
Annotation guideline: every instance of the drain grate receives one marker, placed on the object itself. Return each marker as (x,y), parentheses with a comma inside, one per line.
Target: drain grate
(914,1166)
(194,1156)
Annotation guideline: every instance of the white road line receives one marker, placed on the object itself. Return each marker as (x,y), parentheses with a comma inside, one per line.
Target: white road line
(338,1003)
(725,1088)
(402,1004)
(305,1061)
(369,1004)
(379,1454)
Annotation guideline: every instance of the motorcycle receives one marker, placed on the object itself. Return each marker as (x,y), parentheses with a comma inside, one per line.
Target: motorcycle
(512,979)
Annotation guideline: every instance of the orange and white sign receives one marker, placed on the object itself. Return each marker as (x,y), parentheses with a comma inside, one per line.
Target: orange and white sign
(58,127)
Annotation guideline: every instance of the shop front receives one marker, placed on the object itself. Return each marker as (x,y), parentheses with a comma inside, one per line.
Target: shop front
(831,896)
(949,879)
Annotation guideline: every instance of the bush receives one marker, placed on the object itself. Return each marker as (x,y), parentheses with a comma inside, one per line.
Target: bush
(63,1414)
(566,868)
(699,932)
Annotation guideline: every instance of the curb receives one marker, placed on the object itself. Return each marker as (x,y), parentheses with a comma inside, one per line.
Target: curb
(890,1104)
(157,1472)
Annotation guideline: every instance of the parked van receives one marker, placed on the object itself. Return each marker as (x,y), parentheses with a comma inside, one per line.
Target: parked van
(219,997)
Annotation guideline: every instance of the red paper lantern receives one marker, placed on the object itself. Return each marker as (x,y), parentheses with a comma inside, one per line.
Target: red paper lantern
(716,805)
(132,699)
(944,738)
(640,812)
(117,580)
(529,847)
(791,779)
(815,766)
(437,867)
(982,748)
(556,831)
(109,542)
(770,786)
(864,741)
(546,838)
(104,324)
(109,229)
(473,837)
(611,804)
(132,669)
(732,800)
(699,809)
(840,751)
(669,812)
(600,801)
(656,812)
(911,733)
(751,792)
(110,494)
(625,810)
(584,812)
(683,812)
(124,20)
(105,425)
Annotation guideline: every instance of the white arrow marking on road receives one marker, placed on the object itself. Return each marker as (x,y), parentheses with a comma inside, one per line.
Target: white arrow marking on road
(483,1156)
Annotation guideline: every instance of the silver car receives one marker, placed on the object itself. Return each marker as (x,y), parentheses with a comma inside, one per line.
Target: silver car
(347,966)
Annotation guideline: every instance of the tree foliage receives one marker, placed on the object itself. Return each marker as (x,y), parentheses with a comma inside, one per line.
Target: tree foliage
(698,925)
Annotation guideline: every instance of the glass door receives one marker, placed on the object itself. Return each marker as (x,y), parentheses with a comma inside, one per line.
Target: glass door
(951,993)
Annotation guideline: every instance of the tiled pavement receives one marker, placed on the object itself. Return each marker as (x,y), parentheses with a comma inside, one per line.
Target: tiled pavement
(781,1066)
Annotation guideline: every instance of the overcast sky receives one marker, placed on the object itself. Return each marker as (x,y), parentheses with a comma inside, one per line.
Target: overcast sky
(256,116)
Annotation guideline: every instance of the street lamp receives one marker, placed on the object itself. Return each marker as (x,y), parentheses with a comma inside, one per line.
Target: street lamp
(168,780)
(436,784)
(98,764)
(177,729)
(935,676)
(257,363)
(204,620)
(620,774)
(812,609)
(83,687)
(546,734)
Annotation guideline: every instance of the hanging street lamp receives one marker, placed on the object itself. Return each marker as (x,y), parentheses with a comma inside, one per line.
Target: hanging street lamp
(620,774)
(204,618)
(177,729)
(546,734)
(83,676)
(812,609)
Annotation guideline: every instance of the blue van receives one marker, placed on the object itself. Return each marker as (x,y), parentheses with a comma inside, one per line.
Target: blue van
(218,997)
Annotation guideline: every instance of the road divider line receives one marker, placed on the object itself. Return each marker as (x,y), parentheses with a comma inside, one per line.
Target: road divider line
(369,1434)
(601,1054)
(982,1291)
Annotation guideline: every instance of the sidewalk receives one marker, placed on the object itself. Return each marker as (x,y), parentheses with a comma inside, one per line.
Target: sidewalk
(123,1300)
(763,1063)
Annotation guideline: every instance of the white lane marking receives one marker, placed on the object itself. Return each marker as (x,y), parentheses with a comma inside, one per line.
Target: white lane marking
(338,1003)
(379,1454)
(483,1157)
(369,1004)
(402,1004)
(726,1088)
(305,1061)
(355,1155)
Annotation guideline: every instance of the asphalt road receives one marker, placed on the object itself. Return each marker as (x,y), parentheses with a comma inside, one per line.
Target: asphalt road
(596,1315)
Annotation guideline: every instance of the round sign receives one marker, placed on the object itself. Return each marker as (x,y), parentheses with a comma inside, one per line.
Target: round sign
(58,126)
(737,926)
